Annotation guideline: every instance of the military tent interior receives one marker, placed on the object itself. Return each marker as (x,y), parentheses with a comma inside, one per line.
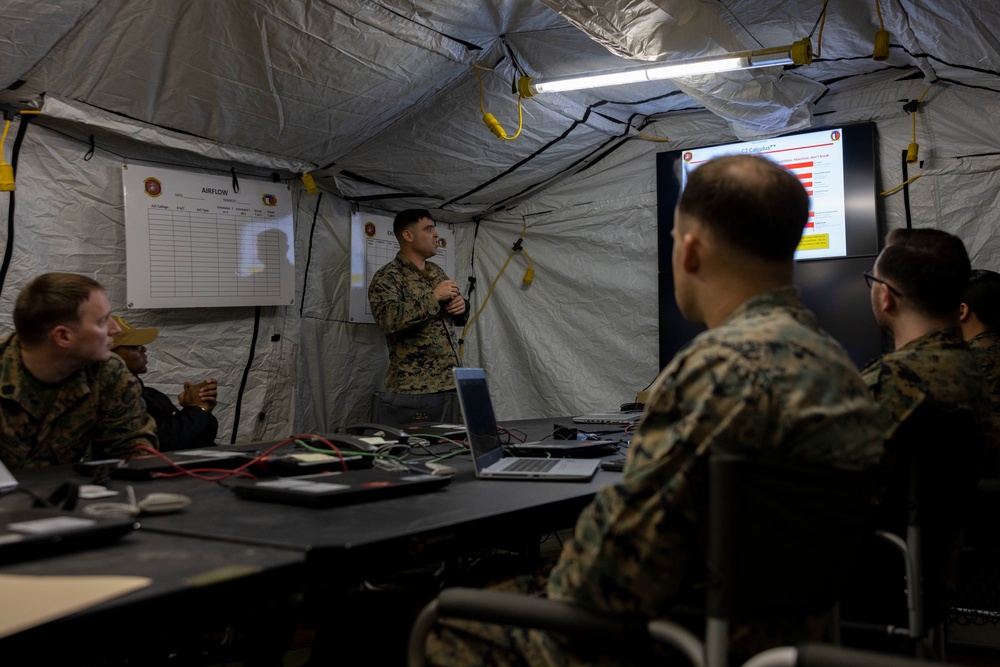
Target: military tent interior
(381,103)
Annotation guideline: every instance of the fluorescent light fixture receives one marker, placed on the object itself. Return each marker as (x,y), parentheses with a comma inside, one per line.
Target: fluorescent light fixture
(799,53)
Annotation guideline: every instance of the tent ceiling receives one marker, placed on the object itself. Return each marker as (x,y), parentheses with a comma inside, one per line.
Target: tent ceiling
(382,97)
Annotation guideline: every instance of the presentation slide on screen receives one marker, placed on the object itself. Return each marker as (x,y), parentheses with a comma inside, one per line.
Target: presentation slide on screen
(817,159)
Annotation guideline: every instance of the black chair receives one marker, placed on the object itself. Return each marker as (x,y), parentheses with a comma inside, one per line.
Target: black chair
(974,616)
(781,533)
(823,655)
(919,617)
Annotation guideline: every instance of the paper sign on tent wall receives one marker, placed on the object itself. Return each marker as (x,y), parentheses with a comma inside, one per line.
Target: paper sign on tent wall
(372,245)
(193,241)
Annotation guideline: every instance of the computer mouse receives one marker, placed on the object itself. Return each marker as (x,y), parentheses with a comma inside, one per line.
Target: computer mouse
(163,503)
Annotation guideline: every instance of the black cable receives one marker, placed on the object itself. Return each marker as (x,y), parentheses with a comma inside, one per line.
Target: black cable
(451,342)
(906,193)
(953,82)
(409,17)
(818,19)
(590,109)
(37,500)
(601,151)
(520,163)
(8,252)
(929,56)
(472,256)
(513,58)
(309,250)
(246,374)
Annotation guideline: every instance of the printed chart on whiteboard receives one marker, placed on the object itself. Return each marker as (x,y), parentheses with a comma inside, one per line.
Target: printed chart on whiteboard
(372,245)
(192,240)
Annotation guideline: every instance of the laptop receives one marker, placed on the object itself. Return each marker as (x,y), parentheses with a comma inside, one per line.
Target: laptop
(331,489)
(434,433)
(624,418)
(488,456)
(564,448)
(150,466)
(35,532)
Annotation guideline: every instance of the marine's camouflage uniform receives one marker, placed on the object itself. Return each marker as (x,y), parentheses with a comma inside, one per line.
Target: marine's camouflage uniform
(767,379)
(936,412)
(99,405)
(986,349)
(422,349)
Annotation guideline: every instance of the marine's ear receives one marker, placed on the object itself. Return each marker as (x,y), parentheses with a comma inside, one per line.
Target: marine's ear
(691,252)
(61,335)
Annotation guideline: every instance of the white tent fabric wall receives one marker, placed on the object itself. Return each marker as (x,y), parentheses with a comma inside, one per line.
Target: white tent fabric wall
(582,336)
(342,363)
(70,217)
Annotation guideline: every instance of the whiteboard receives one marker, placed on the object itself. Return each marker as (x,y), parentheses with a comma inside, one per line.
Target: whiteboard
(372,245)
(193,241)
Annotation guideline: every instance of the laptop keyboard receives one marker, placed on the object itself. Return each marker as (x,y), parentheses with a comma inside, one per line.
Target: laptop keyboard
(532,465)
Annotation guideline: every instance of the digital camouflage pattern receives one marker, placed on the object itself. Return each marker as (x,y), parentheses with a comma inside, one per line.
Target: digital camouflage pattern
(934,372)
(767,379)
(986,349)
(422,349)
(936,413)
(99,405)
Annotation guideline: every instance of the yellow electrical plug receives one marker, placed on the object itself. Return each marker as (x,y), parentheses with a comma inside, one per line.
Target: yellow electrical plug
(490,119)
(529,273)
(6,178)
(309,183)
(494,125)
(881,50)
(912,106)
(6,170)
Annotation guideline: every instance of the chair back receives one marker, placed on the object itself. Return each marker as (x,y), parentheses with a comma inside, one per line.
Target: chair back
(783,534)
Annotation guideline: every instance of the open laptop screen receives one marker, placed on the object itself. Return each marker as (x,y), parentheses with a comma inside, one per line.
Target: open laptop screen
(480,420)
(7,481)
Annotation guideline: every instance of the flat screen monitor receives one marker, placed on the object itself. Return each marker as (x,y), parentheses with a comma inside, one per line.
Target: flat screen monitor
(837,166)
(836,291)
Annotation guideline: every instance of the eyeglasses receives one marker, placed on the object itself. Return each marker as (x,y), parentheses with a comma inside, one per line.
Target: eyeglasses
(870,278)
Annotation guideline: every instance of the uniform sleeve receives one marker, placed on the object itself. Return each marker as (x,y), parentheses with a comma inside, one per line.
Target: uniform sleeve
(641,544)
(398,304)
(897,393)
(460,320)
(124,421)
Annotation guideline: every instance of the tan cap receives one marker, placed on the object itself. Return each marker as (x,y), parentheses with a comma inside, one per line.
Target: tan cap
(129,335)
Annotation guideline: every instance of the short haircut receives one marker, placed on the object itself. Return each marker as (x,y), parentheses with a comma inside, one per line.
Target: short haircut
(406,218)
(48,301)
(754,205)
(929,267)
(982,296)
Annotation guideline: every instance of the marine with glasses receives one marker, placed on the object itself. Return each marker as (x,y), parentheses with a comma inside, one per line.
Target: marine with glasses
(936,413)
